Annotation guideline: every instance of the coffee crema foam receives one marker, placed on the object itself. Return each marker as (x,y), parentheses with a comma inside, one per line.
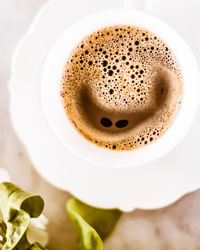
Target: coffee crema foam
(122,87)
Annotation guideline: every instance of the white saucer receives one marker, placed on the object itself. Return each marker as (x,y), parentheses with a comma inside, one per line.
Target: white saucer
(150,186)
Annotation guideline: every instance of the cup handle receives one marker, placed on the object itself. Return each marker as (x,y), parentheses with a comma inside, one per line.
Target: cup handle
(144,5)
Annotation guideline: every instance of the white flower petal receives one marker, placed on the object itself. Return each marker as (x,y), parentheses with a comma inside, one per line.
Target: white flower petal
(36,231)
(43,220)
(4,176)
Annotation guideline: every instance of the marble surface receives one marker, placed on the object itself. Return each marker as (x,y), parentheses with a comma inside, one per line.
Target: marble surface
(176,227)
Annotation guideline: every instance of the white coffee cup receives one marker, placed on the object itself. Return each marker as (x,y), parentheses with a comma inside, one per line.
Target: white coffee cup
(55,62)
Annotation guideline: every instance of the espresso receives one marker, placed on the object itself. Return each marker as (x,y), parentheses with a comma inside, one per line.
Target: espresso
(122,87)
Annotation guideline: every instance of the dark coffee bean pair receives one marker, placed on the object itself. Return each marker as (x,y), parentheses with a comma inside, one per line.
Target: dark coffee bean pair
(108,123)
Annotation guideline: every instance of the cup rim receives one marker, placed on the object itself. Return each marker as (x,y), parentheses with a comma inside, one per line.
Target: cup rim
(144,18)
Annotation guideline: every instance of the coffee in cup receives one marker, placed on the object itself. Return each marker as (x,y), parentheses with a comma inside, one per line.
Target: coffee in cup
(122,87)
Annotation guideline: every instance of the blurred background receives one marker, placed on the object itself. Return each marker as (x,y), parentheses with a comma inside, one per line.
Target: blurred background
(171,228)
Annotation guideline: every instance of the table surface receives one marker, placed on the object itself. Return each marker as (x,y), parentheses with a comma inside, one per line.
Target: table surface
(174,227)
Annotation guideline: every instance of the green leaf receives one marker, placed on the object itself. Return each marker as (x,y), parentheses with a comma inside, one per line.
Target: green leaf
(37,246)
(16,229)
(2,234)
(13,198)
(17,207)
(92,224)
(23,243)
